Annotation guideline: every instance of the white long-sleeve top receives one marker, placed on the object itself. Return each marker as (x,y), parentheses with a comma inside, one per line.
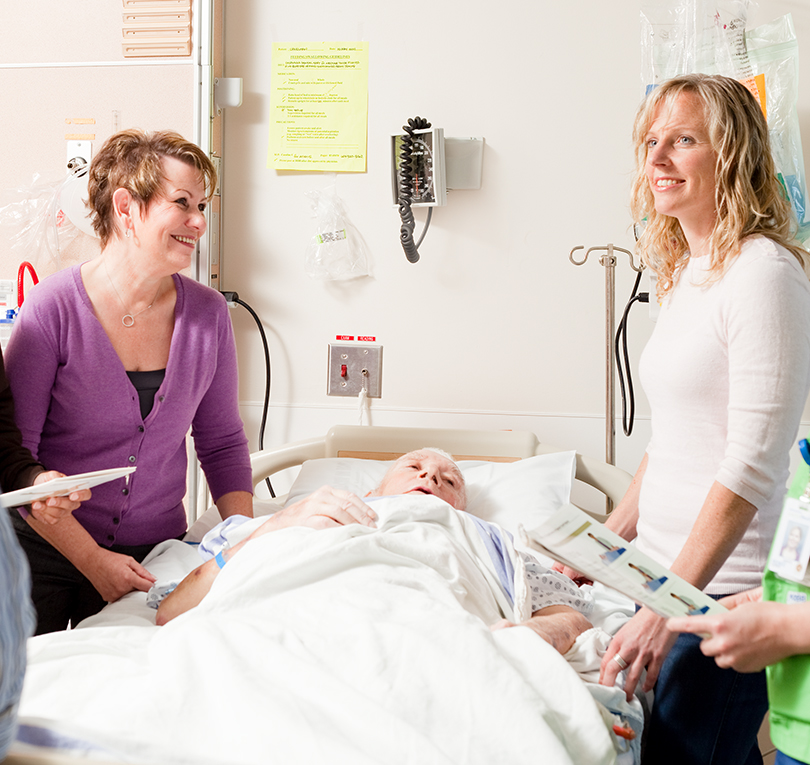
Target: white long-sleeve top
(727,373)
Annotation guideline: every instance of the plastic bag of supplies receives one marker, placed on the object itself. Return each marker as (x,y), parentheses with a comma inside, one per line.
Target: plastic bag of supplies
(337,251)
(684,36)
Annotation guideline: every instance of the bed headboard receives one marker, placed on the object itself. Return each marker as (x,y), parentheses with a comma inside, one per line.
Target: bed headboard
(389,443)
(385,443)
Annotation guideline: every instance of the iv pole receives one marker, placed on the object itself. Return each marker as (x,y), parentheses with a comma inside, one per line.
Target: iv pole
(608,261)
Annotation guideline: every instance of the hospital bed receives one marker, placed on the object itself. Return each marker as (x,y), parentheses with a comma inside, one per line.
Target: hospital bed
(119,689)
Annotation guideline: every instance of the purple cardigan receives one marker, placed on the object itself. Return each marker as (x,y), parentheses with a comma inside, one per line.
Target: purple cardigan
(78,411)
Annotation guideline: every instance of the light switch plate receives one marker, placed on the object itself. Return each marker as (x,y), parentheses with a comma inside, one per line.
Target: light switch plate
(363,369)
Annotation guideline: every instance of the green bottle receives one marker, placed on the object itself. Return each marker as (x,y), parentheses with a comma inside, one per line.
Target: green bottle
(789,679)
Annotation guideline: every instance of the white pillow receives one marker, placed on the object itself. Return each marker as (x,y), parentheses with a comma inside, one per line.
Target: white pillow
(507,493)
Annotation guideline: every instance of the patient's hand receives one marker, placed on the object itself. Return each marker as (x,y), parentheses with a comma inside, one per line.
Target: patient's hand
(322,509)
(573,574)
(54,509)
(558,625)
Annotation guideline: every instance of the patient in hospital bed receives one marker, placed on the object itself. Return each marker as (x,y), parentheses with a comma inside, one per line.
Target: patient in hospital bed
(558,607)
(359,631)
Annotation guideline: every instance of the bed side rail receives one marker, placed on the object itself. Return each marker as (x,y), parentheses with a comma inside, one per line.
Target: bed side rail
(269,461)
(612,481)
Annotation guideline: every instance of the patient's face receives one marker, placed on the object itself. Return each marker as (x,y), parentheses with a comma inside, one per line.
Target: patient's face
(425,472)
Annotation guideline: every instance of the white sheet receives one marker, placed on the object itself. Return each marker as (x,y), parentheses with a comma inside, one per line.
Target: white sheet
(344,645)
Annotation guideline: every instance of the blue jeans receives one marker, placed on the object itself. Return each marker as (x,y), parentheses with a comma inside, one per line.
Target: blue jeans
(704,715)
(785,759)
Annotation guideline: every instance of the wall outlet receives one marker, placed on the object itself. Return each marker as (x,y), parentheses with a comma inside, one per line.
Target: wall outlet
(354,367)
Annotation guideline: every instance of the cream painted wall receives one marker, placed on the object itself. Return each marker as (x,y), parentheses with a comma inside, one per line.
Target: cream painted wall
(494,327)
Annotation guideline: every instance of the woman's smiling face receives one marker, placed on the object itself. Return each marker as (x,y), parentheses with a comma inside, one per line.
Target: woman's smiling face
(681,165)
(171,225)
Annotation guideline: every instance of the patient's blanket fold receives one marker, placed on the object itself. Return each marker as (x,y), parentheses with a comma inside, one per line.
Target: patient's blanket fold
(346,645)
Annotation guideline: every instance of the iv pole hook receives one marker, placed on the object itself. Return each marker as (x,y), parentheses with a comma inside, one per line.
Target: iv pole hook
(610,249)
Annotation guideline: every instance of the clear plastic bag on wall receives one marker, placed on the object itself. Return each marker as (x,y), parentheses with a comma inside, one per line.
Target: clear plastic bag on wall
(665,28)
(32,221)
(682,36)
(337,251)
(774,53)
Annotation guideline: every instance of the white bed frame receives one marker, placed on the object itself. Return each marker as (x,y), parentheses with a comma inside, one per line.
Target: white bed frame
(386,443)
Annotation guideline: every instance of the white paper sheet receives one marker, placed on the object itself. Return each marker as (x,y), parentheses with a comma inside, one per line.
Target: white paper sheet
(61,487)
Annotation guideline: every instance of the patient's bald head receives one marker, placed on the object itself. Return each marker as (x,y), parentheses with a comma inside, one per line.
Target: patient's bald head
(425,471)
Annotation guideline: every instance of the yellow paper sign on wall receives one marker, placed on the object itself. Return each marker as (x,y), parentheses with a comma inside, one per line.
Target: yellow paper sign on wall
(319,107)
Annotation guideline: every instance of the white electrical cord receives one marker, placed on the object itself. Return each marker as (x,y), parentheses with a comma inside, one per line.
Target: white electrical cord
(364,407)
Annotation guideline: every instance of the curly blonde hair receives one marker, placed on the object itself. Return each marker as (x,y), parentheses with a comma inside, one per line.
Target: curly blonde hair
(133,160)
(749,199)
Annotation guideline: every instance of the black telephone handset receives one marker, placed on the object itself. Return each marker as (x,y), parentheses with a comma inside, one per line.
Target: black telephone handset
(407,176)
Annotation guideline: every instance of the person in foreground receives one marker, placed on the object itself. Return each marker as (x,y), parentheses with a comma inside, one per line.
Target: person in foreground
(16,626)
(557,607)
(111,362)
(755,634)
(727,373)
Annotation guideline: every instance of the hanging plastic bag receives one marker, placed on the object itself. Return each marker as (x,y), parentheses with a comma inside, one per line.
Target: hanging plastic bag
(683,36)
(665,28)
(337,251)
(774,54)
(31,219)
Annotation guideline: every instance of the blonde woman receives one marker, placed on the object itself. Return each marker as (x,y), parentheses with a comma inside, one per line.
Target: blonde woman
(727,373)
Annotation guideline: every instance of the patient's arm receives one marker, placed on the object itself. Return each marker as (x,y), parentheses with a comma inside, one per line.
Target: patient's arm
(324,508)
(196,585)
(558,625)
(190,591)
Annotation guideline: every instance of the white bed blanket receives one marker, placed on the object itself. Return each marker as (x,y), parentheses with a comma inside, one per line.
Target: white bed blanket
(347,645)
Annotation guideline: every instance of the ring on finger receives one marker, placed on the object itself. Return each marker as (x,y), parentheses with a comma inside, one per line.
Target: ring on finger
(620,661)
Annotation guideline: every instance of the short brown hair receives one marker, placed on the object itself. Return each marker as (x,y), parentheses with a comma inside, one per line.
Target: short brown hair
(133,160)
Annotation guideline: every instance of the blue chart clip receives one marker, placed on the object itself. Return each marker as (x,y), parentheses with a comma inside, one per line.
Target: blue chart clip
(804,448)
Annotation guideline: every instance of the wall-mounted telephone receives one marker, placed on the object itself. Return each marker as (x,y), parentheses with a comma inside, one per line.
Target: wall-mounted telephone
(423,166)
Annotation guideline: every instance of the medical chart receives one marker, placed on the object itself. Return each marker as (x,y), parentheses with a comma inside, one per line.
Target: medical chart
(319,106)
(575,539)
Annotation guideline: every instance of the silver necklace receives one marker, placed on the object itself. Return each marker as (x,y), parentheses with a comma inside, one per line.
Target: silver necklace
(128,319)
